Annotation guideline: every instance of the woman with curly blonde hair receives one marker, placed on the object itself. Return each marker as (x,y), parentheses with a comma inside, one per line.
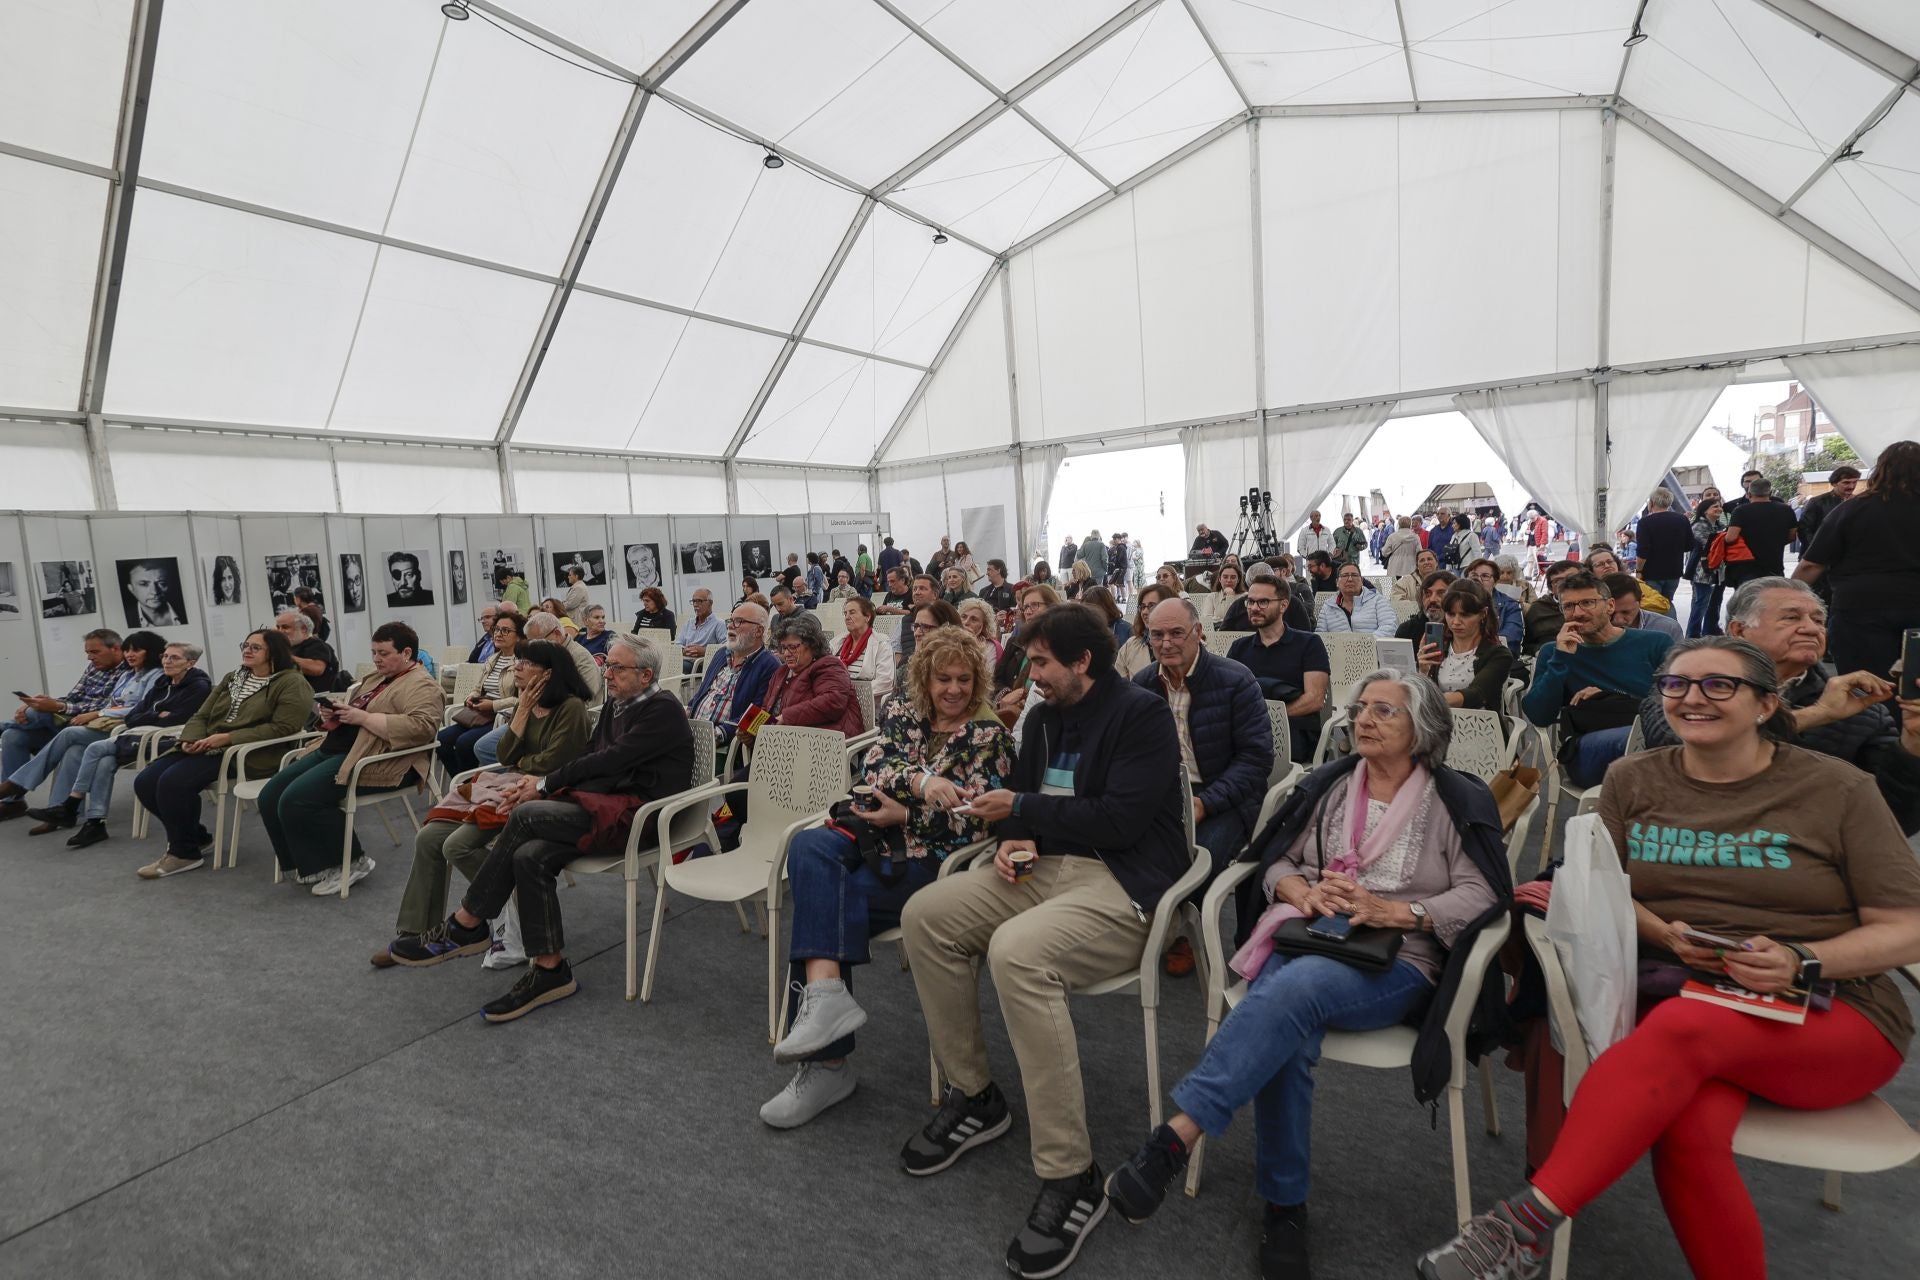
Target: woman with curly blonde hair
(976,615)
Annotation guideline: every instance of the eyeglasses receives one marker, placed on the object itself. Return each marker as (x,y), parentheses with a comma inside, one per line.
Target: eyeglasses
(741,622)
(920,627)
(1713,688)
(1385,712)
(1169,637)
(790,646)
(620,666)
(1595,602)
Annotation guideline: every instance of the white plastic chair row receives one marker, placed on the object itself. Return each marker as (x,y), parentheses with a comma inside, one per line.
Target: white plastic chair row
(1351,655)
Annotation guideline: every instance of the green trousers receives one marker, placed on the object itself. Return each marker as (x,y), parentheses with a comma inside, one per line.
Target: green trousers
(440,847)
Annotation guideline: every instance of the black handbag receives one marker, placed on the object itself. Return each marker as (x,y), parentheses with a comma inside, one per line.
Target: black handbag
(881,850)
(1369,948)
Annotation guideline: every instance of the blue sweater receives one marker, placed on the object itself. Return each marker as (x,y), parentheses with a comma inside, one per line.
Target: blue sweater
(1232,736)
(750,688)
(1626,665)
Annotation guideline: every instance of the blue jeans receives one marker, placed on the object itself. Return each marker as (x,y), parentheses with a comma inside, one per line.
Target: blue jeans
(1665,586)
(92,777)
(19,741)
(1267,1048)
(70,740)
(456,747)
(1593,752)
(1221,835)
(1706,600)
(837,905)
(486,748)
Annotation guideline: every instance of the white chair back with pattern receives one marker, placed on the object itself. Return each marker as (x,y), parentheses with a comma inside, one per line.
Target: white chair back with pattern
(1478,746)
(1350,655)
(797,773)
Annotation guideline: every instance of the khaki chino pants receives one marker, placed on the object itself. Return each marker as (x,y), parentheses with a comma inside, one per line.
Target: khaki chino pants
(1070,925)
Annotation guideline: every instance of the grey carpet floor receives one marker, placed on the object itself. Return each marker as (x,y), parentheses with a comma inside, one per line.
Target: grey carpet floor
(203,1077)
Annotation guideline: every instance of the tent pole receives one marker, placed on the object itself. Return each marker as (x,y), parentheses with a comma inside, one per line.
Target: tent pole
(1265,479)
(1609,124)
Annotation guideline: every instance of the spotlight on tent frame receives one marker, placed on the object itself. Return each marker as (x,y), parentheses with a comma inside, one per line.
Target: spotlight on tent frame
(939,237)
(773,160)
(1638,37)
(456,10)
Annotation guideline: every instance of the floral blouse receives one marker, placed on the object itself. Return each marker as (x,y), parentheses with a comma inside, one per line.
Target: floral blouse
(978,757)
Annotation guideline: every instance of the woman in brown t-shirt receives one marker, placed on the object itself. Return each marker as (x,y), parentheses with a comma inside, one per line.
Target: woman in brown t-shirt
(1795,856)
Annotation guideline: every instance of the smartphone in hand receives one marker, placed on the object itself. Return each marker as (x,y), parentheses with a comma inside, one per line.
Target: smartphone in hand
(1711,941)
(1331,928)
(1909,664)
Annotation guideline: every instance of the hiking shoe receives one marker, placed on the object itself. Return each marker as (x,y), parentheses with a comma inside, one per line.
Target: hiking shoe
(1066,1210)
(536,987)
(961,1124)
(1283,1243)
(815,1087)
(329,881)
(92,831)
(444,941)
(1509,1243)
(1138,1186)
(1178,961)
(168,865)
(827,1012)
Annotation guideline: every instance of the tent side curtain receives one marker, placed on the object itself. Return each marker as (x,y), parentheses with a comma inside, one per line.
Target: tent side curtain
(1223,462)
(1650,419)
(1546,434)
(1039,468)
(1869,394)
(1308,453)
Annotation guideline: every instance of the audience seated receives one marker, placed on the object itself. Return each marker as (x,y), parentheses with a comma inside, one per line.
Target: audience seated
(866,653)
(924,591)
(704,633)
(1229,584)
(730,687)
(596,637)
(1510,576)
(998,592)
(87,779)
(312,657)
(1394,839)
(1300,610)
(641,750)
(1320,574)
(898,597)
(1290,665)
(307,602)
(1079,579)
(940,746)
(1629,616)
(1410,588)
(1510,618)
(811,688)
(1135,653)
(954,585)
(1433,592)
(1167,578)
(653,614)
(1299,607)
(1591,679)
(1010,682)
(1357,607)
(474,720)
(1544,620)
(548,729)
(139,671)
(397,707)
(483,647)
(1471,666)
(844,588)
(1840,905)
(976,615)
(1101,601)
(264,698)
(785,604)
(41,716)
(1095,796)
(1603,563)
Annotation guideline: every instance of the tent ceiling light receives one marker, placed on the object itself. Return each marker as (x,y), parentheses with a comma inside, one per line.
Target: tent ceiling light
(939,237)
(456,10)
(1638,37)
(773,160)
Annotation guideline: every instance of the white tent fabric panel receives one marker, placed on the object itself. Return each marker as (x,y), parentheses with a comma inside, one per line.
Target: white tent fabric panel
(1697,270)
(438,348)
(1223,462)
(1873,202)
(621,376)
(1870,394)
(62,65)
(563,482)
(509,146)
(1140,95)
(1008,40)
(770,490)
(1841,304)
(839,491)
(1520,49)
(980,508)
(55,455)
(840,81)
(1315,51)
(1002,184)
(381,479)
(1751,88)
(1039,468)
(1546,434)
(1076,322)
(898,294)
(1648,420)
(678,488)
(233,317)
(49,251)
(829,407)
(1308,453)
(1194,252)
(306,108)
(968,403)
(1898,23)
(633,35)
(174,470)
(915,500)
(725,235)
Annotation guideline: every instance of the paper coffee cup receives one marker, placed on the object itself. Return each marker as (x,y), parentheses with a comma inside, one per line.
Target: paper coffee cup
(863,798)
(1021,860)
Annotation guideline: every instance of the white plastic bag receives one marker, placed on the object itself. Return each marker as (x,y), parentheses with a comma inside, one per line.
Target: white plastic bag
(1590,919)
(507,949)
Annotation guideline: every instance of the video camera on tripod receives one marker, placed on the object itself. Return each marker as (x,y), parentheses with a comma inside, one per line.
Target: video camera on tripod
(1256,524)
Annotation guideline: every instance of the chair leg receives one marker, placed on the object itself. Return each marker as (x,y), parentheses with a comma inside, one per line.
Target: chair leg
(1553,812)
(739,909)
(1830,1191)
(933,1076)
(1488,1103)
(775,988)
(653,938)
(1562,1248)
(1200,1146)
(1457,1126)
(633,940)
(346,857)
(1155,1109)
(220,826)
(760,916)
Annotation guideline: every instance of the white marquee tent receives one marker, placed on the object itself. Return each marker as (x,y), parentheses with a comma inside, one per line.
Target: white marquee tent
(782,261)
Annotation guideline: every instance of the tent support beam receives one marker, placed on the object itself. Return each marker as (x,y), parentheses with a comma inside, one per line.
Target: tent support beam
(1840,152)
(509,501)
(1406,52)
(1440,106)
(1609,132)
(940,357)
(1861,265)
(100,466)
(1259,301)
(1843,35)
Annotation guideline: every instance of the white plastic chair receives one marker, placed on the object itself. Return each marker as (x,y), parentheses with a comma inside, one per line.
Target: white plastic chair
(149,751)
(466,683)
(1218,642)
(233,783)
(863,696)
(1636,737)
(888,625)
(1403,609)
(1479,747)
(451,655)
(1390,1048)
(1351,655)
(802,772)
(1553,785)
(1867,1136)
(353,802)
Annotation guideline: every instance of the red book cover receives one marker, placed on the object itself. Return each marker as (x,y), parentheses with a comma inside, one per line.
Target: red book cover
(1717,988)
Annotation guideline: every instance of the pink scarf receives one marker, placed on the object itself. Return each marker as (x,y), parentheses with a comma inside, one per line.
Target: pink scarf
(1358,855)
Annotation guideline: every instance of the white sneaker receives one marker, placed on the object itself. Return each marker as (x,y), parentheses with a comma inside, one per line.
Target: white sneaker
(329,881)
(815,1087)
(499,957)
(828,1012)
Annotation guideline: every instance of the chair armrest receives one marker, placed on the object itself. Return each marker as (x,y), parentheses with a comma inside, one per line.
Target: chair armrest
(470,774)
(777,870)
(965,856)
(1164,914)
(649,810)
(353,778)
(674,804)
(1217,893)
(1486,948)
(237,756)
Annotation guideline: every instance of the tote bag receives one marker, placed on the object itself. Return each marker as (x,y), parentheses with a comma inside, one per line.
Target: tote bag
(1590,920)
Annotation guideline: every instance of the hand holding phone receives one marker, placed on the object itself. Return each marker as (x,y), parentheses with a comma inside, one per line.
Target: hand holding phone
(1711,941)
(1331,928)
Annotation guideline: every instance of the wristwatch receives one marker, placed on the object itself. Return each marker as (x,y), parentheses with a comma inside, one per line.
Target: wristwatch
(1809,965)
(1421,920)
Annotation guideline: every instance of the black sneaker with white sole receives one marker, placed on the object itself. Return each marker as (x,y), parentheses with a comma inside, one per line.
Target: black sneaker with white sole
(961,1124)
(1138,1186)
(1063,1215)
(537,986)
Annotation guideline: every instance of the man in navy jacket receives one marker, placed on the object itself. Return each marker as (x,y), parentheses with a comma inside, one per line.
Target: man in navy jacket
(1095,799)
(730,687)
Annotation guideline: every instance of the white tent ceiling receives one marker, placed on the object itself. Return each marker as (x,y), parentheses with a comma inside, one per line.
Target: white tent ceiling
(550,226)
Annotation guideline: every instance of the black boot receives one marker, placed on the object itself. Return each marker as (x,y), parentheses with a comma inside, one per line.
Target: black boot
(1283,1243)
(92,831)
(55,817)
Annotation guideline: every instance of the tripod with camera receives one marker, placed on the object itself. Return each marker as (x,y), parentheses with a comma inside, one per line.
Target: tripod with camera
(1256,525)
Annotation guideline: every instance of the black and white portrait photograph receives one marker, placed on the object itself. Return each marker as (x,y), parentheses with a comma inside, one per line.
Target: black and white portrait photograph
(643,565)
(151,591)
(457,576)
(703,557)
(223,580)
(756,558)
(493,559)
(353,584)
(284,573)
(66,589)
(592,565)
(407,586)
(9,593)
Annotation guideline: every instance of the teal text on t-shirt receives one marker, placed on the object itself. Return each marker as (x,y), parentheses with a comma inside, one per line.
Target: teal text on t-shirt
(1686,847)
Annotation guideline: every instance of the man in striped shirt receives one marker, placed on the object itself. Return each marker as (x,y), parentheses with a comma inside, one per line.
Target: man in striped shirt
(41,716)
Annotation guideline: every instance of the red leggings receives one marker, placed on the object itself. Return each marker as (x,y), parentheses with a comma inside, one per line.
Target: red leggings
(1678,1085)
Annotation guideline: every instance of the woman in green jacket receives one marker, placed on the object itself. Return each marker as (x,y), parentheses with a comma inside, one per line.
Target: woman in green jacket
(266,699)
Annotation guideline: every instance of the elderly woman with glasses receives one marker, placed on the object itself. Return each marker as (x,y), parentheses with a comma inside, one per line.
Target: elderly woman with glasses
(812,688)
(1389,838)
(1780,869)
(474,720)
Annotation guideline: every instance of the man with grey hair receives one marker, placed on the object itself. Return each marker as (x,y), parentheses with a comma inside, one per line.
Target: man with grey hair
(641,750)
(313,656)
(1849,717)
(483,648)
(730,687)
(1666,539)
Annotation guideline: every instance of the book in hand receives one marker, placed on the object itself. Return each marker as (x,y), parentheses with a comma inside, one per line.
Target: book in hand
(1717,988)
(753,719)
